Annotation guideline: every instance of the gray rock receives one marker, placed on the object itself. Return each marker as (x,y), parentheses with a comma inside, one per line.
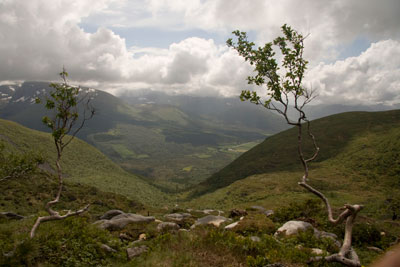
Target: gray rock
(293,227)
(268,212)
(255,238)
(107,248)
(11,215)
(124,236)
(231,226)
(237,213)
(110,214)
(211,220)
(177,217)
(208,211)
(120,221)
(317,251)
(136,251)
(332,236)
(167,226)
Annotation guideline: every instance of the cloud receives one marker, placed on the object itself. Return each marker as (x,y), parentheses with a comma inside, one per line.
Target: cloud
(371,78)
(38,37)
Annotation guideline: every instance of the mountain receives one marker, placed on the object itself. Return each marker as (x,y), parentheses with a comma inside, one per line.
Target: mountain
(173,142)
(359,157)
(81,163)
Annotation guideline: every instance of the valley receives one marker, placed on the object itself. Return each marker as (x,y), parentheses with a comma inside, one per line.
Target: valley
(130,166)
(170,141)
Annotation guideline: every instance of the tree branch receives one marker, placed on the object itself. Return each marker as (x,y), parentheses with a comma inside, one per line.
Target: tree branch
(55,217)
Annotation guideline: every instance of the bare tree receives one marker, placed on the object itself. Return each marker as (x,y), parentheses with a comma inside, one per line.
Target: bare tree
(285,91)
(64,126)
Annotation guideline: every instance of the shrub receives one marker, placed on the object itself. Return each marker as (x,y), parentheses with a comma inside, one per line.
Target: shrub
(254,224)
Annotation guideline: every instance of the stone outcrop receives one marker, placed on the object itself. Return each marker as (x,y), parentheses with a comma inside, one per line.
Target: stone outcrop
(110,214)
(293,227)
(211,220)
(167,226)
(177,217)
(136,251)
(120,221)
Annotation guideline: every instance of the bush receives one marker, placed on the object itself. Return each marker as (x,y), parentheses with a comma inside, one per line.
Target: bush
(309,209)
(255,224)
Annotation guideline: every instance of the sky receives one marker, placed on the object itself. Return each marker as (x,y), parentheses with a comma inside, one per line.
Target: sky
(179,46)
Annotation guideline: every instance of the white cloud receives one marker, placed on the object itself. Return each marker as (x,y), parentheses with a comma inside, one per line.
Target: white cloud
(371,78)
(37,37)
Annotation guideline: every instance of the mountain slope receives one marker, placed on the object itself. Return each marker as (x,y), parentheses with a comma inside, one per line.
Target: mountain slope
(169,143)
(81,163)
(333,133)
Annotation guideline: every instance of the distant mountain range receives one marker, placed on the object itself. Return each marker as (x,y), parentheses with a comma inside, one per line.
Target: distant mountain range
(171,141)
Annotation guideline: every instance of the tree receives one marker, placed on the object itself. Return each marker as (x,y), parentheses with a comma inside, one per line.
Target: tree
(284,85)
(64,125)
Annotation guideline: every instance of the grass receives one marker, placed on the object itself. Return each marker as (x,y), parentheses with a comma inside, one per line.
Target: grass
(81,163)
(338,136)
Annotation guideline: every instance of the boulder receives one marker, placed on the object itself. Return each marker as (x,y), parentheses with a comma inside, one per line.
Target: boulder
(268,212)
(293,227)
(231,226)
(207,211)
(177,217)
(107,248)
(136,251)
(317,251)
(120,221)
(211,220)
(332,236)
(110,214)
(167,226)
(237,213)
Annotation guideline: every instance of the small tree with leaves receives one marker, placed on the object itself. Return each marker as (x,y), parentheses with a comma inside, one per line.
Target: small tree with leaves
(64,101)
(284,83)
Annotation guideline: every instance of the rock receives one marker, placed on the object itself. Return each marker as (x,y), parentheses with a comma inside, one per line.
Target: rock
(110,214)
(120,221)
(332,236)
(317,251)
(166,226)
(124,236)
(142,237)
(237,213)
(136,251)
(157,221)
(177,217)
(231,226)
(293,227)
(268,212)
(255,238)
(211,220)
(107,248)
(11,215)
(207,211)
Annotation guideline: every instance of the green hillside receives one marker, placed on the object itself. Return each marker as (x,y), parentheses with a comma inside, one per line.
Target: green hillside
(82,163)
(157,137)
(359,160)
